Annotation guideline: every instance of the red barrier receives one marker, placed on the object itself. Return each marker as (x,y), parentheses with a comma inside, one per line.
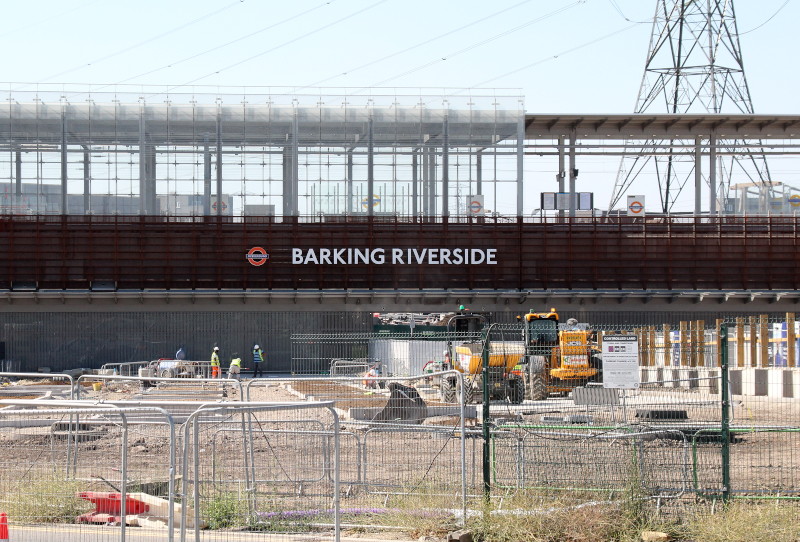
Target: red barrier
(108,507)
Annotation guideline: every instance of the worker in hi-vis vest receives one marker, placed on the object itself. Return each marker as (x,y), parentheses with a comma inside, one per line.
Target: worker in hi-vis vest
(235,367)
(215,362)
(258,359)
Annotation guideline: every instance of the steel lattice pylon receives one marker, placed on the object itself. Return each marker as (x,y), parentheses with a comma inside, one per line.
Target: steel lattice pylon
(694,65)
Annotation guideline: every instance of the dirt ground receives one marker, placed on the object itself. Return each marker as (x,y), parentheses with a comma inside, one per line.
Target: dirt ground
(377,466)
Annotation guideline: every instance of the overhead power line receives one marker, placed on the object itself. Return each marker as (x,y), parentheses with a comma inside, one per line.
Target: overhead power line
(417,45)
(768,20)
(142,43)
(475,45)
(228,43)
(284,44)
(558,55)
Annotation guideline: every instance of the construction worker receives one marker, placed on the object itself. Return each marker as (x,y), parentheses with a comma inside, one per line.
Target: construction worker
(258,359)
(572,324)
(215,362)
(180,354)
(235,367)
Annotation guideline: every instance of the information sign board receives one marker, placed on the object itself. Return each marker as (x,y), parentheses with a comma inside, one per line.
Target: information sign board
(621,361)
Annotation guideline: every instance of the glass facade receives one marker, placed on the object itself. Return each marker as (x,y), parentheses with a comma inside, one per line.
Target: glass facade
(254,154)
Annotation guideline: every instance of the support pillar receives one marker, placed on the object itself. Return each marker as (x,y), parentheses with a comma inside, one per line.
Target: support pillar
(562,173)
(573,175)
(520,164)
(445,169)
(219,166)
(698,176)
(349,183)
(370,170)
(712,175)
(18,176)
(63,163)
(414,181)
(142,165)
(87,180)
(206,177)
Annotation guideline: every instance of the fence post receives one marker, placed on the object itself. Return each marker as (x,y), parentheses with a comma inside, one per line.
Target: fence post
(790,338)
(487,475)
(763,337)
(725,429)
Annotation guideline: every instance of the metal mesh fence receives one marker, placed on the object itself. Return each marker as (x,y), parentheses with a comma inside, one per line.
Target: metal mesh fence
(74,470)
(374,450)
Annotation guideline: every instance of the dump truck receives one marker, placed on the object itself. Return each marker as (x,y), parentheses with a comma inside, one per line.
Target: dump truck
(506,381)
(551,358)
(558,357)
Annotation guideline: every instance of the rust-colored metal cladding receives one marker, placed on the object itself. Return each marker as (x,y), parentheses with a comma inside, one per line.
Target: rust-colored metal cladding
(629,253)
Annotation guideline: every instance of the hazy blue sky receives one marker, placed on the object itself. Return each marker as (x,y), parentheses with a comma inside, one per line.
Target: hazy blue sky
(563,56)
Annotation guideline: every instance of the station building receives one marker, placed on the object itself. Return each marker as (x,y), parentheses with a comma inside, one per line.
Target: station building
(135,224)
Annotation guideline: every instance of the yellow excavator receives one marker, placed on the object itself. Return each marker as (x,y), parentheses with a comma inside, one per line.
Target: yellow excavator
(558,357)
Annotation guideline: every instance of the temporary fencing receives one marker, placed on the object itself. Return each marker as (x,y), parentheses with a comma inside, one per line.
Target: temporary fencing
(227,467)
(712,414)
(382,450)
(403,450)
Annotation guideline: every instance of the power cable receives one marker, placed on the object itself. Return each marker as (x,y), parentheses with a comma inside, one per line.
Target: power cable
(226,44)
(284,44)
(557,55)
(768,20)
(420,44)
(144,42)
(621,14)
(480,43)
(40,21)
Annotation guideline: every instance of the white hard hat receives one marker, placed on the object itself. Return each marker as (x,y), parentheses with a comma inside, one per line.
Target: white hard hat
(216,349)
(256,347)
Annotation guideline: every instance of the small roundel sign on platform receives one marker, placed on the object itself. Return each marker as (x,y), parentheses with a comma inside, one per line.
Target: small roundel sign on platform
(636,207)
(257,256)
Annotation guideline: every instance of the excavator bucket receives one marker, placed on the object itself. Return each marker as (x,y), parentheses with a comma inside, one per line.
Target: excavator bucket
(405,406)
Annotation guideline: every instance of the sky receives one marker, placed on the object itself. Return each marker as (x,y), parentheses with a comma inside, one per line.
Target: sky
(560,56)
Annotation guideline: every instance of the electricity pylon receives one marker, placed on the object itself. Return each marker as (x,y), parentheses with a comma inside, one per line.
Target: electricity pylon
(694,65)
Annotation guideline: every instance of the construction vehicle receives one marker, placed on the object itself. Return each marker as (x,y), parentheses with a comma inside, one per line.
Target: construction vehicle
(558,357)
(170,368)
(506,381)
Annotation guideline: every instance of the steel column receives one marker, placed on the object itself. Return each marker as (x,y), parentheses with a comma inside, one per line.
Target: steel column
(712,175)
(219,164)
(370,169)
(63,162)
(698,176)
(573,174)
(87,180)
(206,177)
(445,169)
(520,164)
(142,163)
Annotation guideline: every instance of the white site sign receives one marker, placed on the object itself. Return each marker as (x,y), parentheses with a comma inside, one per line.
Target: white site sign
(621,361)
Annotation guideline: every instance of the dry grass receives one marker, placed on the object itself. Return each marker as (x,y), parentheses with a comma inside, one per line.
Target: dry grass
(747,521)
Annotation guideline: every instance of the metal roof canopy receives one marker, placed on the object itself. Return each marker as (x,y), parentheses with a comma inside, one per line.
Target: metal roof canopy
(255,124)
(647,126)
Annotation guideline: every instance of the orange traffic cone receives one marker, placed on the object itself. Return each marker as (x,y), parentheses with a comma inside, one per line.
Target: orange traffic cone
(3,527)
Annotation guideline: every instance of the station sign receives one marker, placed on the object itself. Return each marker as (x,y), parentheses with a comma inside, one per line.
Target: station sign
(475,206)
(636,206)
